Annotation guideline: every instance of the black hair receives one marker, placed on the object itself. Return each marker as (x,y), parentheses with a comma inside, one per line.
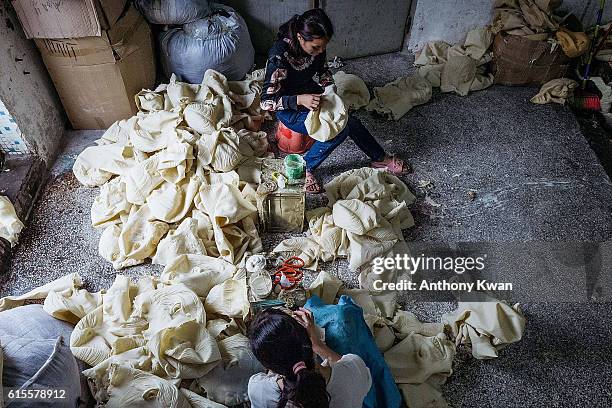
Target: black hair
(279,342)
(310,25)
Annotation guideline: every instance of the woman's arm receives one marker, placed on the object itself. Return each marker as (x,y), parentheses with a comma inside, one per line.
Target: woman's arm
(323,351)
(304,317)
(272,98)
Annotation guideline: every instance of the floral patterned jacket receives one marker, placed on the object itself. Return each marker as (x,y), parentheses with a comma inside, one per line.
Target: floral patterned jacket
(288,75)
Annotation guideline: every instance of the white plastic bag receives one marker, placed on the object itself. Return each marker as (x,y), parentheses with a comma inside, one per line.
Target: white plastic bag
(172,11)
(220,41)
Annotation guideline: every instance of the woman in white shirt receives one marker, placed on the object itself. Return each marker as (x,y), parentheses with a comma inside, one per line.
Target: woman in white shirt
(285,345)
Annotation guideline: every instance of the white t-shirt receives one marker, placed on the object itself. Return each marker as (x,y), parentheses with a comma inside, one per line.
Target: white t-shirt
(348,385)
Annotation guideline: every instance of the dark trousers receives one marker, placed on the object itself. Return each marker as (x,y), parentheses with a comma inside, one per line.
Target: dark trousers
(319,151)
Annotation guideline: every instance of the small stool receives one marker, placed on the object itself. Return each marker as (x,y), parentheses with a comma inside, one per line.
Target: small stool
(292,142)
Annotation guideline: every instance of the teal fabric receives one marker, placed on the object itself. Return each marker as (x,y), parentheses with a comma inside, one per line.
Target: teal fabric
(347,332)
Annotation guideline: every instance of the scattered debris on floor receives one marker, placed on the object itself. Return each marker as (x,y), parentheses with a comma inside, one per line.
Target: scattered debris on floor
(428,200)
(336,63)
(426,184)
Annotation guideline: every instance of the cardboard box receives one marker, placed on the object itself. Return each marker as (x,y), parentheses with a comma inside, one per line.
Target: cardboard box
(521,61)
(67,18)
(97,77)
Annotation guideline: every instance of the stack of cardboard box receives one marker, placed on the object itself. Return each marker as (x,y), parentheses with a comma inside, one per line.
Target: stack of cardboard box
(99,54)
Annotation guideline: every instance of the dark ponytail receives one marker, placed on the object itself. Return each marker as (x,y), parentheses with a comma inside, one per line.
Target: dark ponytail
(310,25)
(282,345)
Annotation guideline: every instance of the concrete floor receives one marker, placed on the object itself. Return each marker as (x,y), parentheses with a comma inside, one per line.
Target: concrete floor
(21,178)
(535,178)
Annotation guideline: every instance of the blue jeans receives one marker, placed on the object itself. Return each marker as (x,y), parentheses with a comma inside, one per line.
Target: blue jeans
(319,151)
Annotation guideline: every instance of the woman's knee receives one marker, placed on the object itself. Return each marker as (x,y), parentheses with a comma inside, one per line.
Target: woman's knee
(355,128)
(353,121)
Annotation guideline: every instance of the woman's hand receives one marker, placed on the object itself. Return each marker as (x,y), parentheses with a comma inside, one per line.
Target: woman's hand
(304,317)
(309,101)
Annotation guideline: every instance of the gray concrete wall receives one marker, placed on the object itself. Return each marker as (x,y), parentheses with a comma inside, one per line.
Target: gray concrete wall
(27,90)
(586,10)
(263,17)
(446,20)
(362,27)
(450,20)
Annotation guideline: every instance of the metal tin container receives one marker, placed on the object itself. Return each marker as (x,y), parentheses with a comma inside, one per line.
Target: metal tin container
(283,209)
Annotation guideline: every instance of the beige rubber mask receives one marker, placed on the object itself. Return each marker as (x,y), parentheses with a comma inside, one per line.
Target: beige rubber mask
(417,357)
(557,91)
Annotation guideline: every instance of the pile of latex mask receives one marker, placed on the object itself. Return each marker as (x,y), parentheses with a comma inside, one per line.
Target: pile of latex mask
(174,179)
(420,355)
(364,219)
(535,20)
(159,342)
(366,213)
(164,342)
(392,100)
(458,68)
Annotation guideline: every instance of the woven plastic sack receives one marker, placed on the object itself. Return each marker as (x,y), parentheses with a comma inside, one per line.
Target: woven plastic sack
(220,41)
(172,11)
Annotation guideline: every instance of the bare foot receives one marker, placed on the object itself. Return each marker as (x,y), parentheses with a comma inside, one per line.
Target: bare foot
(312,184)
(393,164)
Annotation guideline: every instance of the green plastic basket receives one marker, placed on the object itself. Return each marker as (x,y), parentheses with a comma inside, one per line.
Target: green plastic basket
(294,167)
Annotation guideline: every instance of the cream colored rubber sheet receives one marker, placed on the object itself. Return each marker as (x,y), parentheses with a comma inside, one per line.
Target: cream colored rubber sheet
(163,166)
(10,225)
